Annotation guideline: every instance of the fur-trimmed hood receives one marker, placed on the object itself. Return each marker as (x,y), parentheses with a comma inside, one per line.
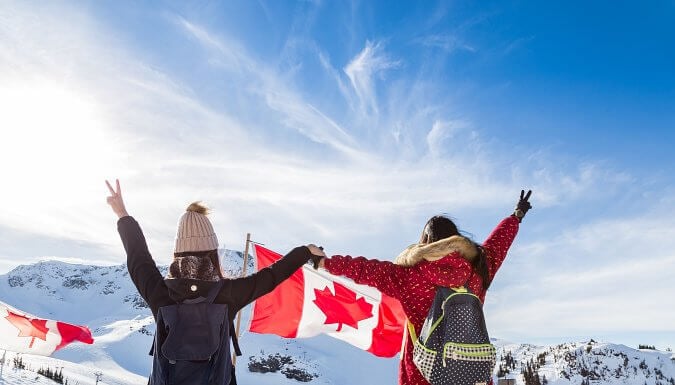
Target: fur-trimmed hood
(418,252)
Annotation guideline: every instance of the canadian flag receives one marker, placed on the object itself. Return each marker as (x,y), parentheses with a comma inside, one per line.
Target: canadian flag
(311,302)
(23,333)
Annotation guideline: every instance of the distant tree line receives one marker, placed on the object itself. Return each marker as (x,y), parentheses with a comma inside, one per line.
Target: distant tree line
(18,362)
(55,375)
(507,364)
(531,374)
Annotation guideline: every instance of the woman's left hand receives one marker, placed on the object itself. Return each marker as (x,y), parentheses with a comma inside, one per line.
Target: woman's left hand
(316,250)
(317,255)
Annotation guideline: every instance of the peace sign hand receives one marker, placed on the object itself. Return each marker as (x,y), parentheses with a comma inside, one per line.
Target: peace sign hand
(523,205)
(115,199)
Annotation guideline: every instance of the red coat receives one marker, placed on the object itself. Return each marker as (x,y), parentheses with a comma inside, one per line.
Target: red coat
(415,286)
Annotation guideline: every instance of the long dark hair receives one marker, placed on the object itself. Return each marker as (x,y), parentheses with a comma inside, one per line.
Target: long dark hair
(208,264)
(440,227)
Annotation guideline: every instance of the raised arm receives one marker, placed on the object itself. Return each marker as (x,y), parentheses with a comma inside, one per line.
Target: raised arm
(247,289)
(385,276)
(499,241)
(142,269)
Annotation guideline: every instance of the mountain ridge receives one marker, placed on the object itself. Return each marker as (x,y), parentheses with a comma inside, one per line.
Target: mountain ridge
(105,299)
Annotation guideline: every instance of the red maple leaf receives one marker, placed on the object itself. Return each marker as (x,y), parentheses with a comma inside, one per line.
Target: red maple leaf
(343,307)
(34,328)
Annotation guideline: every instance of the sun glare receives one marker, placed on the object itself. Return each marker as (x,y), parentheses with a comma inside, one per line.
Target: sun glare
(50,133)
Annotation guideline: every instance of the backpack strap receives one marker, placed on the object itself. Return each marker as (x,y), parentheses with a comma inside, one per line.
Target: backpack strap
(235,340)
(215,290)
(213,293)
(411,330)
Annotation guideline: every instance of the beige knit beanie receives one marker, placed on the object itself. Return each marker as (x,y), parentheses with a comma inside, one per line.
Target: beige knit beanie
(195,232)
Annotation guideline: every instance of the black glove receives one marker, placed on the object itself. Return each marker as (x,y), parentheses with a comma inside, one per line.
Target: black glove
(523,205)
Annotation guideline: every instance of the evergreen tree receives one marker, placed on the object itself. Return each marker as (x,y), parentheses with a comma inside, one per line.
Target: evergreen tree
(18,362)
(502,371)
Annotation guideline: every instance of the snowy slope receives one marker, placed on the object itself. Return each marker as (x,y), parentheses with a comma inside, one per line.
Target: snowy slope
(588,362)
(103,298)
(75,373)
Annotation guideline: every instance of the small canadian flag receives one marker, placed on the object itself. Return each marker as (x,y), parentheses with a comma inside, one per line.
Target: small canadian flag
(23,333)
(311,302)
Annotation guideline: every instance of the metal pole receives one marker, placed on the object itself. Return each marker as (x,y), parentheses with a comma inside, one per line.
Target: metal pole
(243,274)
(98,375)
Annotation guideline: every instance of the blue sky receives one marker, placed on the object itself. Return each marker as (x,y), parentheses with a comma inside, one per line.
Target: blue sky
(348,124)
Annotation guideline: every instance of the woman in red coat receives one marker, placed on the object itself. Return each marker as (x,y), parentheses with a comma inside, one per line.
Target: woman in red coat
(443,257)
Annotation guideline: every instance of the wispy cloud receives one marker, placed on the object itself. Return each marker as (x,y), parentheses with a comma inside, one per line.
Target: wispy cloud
(446,42)
(298,114)
(316,149)
(440,132)
(517,44)
(170,147)
(333,73)
(362,70)
(230,54)
(311,122)
(358,171)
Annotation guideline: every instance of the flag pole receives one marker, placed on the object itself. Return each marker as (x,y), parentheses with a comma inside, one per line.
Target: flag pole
(243,274)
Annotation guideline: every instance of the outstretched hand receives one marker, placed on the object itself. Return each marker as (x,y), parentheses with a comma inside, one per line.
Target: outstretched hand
(523,205)
(115,199)
(317,255)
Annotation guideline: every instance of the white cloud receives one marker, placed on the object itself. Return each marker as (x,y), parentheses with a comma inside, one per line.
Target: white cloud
(169,148)
(82,107)
(334,185)
(313,123)
(230,53)
(449,43)
(298,114)
(601,277)
(440,132)
(363,68)
(335,74)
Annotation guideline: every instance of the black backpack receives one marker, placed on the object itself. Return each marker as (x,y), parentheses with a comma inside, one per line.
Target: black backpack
(453,347)
(192,343)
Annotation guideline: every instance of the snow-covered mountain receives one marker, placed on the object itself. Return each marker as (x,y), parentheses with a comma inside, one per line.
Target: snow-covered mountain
(104,298)
(583,363)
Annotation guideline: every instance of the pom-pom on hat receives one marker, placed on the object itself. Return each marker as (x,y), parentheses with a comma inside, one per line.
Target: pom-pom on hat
(195,232)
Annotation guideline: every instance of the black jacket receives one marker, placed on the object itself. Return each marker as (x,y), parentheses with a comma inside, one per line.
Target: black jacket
(236,293)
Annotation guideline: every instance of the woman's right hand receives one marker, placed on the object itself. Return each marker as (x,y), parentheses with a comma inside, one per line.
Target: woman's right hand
(115,199)
(523,205)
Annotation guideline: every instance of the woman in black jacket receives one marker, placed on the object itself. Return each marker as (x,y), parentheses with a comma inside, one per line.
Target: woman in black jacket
(195,268)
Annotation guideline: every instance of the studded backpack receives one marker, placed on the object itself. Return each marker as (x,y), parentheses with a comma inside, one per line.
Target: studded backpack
(453,347)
